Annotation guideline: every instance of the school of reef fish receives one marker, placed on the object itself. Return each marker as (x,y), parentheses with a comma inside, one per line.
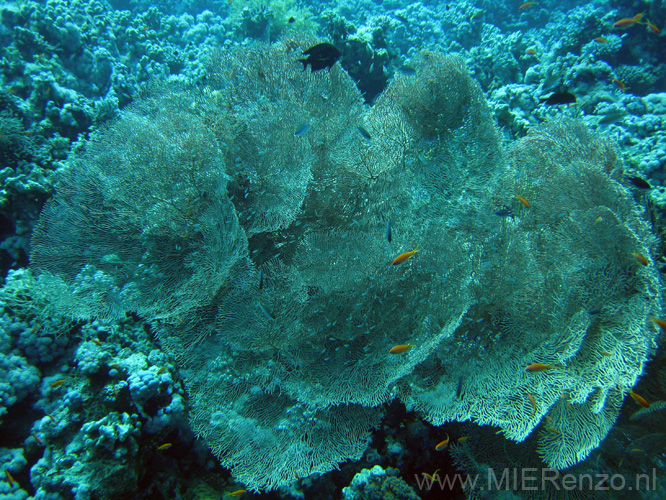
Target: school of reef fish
(329,249)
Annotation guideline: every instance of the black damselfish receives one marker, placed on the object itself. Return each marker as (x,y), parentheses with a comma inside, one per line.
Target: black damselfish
(639,182)
(320,56)
(559,98)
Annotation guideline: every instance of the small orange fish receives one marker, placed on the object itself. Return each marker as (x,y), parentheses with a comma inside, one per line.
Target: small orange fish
(639,399)
(637,450)
(237,493)
(660,323)
(638,17)
(530,52)
(164,446)
(598,219)
(620,84)
(10,479)
(403,257)
(549,418)
(443,444)
(601,39)
(161,370)
(97,342)
(401,348)
(605,353)
(533,402)
(525,203)
(652,27)
(625,22)
(640,258)
(57,383)
(526,5)
(114,365)
(538,367)
(553,430)
(462,439)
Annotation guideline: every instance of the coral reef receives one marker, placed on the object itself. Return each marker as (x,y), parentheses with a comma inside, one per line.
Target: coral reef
(378,484)
(306,215)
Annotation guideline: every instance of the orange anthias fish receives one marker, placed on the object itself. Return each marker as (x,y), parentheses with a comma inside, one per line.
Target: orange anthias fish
(530,52)
(660,323)
(533,403)
(538,367)
(640,258)
(526,5)
(652,27)
(57,383)
(431,476)
(443,444)
(403,257)
(524,201)
(399,349)
(10,479)
(237,493)
(601,39)
(620,84)
(639,399)
(626,22)
(164,446)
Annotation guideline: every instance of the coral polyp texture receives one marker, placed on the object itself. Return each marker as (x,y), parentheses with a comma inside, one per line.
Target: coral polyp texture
(247,220)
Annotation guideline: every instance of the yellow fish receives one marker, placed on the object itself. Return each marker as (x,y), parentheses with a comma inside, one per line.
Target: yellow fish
(403,257)
(443,444)
(538,367)
(399,349)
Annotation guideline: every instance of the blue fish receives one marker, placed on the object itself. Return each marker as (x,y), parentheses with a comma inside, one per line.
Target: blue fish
(266,312)
(459,387)
(366,135)
(388,230)
(302,129)
(504,212)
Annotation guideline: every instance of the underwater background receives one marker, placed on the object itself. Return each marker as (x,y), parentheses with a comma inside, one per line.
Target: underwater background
(336,250)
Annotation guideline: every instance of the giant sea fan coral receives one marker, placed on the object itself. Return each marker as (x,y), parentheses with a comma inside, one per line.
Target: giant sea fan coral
(293,373)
